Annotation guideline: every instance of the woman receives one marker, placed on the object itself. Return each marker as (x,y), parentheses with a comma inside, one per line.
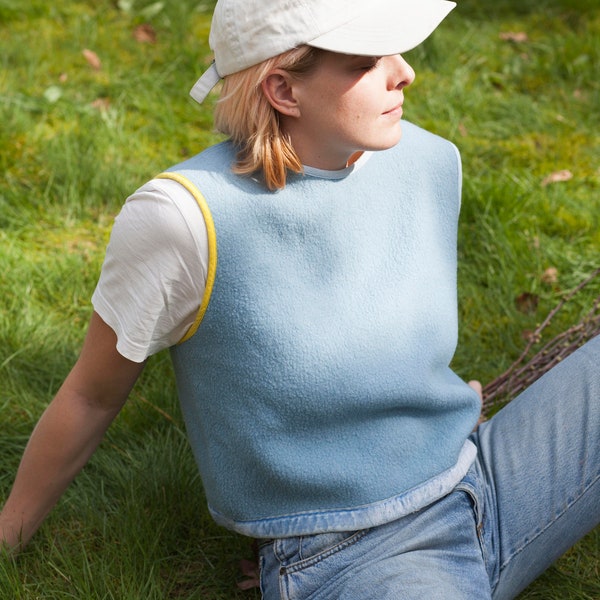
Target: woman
(304,275)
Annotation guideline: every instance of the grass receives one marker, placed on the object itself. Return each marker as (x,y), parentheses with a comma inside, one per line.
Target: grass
(75,141)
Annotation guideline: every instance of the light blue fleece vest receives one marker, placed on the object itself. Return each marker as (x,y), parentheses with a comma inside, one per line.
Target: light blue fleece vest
(316,390)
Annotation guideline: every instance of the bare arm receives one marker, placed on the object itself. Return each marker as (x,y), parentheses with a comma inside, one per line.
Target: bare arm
(68,432)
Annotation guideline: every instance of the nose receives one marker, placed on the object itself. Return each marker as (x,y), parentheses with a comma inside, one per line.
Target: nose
(401,73)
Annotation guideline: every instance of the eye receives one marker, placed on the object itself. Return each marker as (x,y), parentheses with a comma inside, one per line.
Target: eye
(371,63)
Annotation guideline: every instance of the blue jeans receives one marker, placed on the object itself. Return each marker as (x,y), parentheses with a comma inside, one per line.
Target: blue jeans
(533,491)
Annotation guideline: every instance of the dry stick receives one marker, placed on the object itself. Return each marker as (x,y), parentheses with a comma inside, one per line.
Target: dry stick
(518,377)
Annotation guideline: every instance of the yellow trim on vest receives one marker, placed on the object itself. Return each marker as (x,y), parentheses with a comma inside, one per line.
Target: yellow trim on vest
(212,247)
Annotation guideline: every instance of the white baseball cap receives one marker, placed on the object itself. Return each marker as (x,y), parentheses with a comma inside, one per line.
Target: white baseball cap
(246,32)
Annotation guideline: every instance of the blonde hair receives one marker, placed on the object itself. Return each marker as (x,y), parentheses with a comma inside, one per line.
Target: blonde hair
(246,116)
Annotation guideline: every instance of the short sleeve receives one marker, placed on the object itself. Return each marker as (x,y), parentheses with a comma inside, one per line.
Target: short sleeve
(154,272)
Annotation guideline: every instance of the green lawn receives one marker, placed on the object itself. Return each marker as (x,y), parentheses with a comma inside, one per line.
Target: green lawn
(515,84)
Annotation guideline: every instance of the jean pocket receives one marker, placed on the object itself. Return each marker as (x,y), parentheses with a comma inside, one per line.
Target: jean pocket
(476,504)
(301,552)
(478,515)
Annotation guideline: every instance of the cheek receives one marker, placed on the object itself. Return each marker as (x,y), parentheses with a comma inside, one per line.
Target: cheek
(354,113)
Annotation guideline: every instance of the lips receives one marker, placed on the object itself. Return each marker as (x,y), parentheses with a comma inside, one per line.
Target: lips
(396,110)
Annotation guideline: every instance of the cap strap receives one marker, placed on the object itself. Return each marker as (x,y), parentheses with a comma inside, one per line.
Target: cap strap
(205,84)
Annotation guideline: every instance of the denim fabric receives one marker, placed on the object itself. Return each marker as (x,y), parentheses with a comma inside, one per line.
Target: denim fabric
(533,491)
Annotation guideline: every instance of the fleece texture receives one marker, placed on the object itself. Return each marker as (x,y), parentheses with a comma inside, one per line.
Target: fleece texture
(318,381)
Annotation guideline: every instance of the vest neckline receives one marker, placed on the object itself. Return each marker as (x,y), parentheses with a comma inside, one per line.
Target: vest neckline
(339,173)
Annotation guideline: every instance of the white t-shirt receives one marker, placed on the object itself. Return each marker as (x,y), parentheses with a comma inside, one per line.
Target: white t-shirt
(156,264)
(154,273)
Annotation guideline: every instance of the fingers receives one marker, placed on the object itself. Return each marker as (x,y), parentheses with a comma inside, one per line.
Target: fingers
(476,385)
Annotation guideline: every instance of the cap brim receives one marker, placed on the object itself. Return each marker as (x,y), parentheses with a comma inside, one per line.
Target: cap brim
(205,84)
(399,28)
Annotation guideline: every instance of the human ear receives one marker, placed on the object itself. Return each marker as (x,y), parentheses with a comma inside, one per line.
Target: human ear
(278,88)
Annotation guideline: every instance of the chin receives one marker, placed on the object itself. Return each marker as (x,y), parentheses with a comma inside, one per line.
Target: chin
(389,144)
(391,139)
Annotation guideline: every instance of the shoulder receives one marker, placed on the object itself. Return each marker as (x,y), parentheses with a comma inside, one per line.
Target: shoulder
(154,271)
(160,214)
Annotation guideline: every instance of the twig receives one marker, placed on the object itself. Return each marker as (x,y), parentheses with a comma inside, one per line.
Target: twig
(521,374)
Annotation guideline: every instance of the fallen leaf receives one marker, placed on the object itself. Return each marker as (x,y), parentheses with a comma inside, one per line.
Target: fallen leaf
(550,275)
(527,303)
(92,59)
(145,34)
(101,104)
(463,130)
(557,176)
(63,77)
(514,36)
